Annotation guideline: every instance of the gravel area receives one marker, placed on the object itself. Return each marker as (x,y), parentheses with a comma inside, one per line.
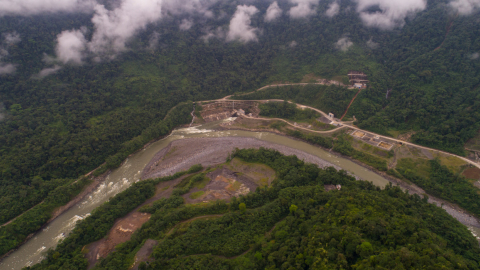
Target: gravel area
(182,154)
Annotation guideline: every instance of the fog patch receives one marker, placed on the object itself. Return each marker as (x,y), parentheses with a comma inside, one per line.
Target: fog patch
(46,72)
(7,69)
(216,33)
(32,7)
(71,46)
(292,44)
(343,44)
(388,14)
(240,28)
(372,44)
(474,56)
(273,12)
(333,10)
(465,7)
(303,8)
(185,25)
(153,40)
(12,38)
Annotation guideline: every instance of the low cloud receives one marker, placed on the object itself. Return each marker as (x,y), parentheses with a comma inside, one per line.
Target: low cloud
(465,7)
(273,12)
(343,44)
(474,56)
(46,72)
(71,47)
(388,14)
(303,8)
(6,69)
(153,40)
(217,33)
(372,44)
(114,28)
(292,44)
(240,28)
(333,10)
(185,25)
(12,38)
(31,7)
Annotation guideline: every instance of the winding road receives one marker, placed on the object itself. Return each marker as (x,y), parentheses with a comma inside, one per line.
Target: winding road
(342,123)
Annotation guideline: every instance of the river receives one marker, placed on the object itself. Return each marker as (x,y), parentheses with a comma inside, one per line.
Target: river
(33,251)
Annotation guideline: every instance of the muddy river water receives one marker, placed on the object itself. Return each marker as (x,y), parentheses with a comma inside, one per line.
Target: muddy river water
(34,250)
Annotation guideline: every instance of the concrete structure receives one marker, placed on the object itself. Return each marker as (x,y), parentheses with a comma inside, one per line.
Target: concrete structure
(331,115)
(358,79)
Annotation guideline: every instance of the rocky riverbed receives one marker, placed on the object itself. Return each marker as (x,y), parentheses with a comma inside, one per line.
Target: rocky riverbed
(182,154)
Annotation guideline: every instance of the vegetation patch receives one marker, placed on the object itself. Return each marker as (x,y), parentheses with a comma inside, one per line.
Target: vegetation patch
(197,194)
(261,174)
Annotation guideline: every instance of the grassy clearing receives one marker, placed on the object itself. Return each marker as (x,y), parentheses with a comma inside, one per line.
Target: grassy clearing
(261,174)
(202,184)
(453,163)
(197,194)
(420,166)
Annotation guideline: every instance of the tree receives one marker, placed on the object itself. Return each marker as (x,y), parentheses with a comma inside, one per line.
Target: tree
(242,207)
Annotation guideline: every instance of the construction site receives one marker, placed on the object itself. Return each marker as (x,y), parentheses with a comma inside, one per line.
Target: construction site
(358,79)
(220,110)
(372,140)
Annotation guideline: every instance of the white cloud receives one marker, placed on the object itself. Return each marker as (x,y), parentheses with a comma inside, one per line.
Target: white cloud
(465,7)
(474,56)
(392,14)
(343,44)
(240,28)
(31,7)
(292,44)
(303,8)
(71,47)
(273,12)
(47,71)
(12,38)
(6,69)
(186,25)
(113,28)
(333,10)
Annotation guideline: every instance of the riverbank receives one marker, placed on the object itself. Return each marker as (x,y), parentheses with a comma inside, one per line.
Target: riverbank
(182,154)
(455,211)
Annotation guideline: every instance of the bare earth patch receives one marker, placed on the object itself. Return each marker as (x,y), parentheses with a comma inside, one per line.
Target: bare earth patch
(224,185)
(121,232)
(472,173)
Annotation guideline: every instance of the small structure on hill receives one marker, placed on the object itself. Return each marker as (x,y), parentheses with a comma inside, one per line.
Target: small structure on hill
(358,79)
(331,115)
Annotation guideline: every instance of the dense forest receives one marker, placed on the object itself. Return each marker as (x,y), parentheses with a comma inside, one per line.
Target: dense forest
(59,123)
(292,224)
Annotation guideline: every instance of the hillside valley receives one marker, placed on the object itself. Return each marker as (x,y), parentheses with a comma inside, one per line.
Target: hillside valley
(127,129)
